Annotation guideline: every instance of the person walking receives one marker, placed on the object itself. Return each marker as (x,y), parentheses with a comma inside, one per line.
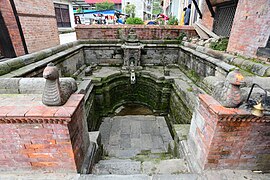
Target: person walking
(187,15)
(183,16)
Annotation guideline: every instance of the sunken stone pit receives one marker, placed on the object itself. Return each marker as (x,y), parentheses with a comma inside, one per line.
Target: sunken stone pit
(173,118)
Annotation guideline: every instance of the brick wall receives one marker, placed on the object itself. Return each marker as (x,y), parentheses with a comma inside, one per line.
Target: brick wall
(250,28)
(143,32)
(229,138)
(206,20)
(38,23)
(42,137)
(36,146)
(12,27)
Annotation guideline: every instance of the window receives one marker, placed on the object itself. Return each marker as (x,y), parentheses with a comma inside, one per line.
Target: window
(62,15)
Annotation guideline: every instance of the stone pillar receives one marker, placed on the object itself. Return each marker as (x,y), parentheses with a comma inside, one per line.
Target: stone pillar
(228,138)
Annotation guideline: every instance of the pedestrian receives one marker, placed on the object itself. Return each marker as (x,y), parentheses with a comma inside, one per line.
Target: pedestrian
(183,16)
(187,15)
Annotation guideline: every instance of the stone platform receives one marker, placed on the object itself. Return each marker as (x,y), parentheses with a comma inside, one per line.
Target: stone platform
(127,136)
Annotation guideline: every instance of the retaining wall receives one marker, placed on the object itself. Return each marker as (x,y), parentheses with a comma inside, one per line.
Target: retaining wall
(228,138)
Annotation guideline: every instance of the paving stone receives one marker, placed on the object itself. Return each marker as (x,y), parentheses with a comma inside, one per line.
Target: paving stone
(125,126)
(146,142)
(135,129)
(155,129)
(117,166)
(115,177)
(146,127)
(158,145)
(127,136)
(105,130)
(170,166)
(176,177)
(125,141)
(135,143)
(127,153)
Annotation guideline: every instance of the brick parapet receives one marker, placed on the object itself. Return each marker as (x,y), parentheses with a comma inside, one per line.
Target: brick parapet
(43,137)
(228,137)
(143,32)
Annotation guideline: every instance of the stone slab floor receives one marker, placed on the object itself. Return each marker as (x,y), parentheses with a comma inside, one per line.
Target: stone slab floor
(127,136)
(137,144)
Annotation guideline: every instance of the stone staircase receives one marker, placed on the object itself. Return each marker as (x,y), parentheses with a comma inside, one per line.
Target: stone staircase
(137,147)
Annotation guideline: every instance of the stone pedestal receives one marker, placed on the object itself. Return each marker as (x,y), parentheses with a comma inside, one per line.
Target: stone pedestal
(38,137)
(228,138)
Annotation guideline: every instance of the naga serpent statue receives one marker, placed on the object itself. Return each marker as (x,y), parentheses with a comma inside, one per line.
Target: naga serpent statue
(228,93)
(56,92)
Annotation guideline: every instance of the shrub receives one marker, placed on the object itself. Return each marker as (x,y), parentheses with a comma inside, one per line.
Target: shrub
(173,21)
(135,20)
(220,45)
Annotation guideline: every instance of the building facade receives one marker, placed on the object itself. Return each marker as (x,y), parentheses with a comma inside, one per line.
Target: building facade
(27,27)
(143,8)
(64,14)
(247,24)
(117,3)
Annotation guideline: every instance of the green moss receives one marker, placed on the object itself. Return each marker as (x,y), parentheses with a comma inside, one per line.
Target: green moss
(251,59)
(153,157)
(190,89)
(220,45)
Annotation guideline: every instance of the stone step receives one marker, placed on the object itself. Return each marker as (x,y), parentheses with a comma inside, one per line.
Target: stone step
(200,32)
(127,166)
(117,166)
(141,177)
(169,166)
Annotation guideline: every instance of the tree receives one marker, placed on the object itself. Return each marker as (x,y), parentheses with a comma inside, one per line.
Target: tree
(130,9)
(104,5)
(157,9)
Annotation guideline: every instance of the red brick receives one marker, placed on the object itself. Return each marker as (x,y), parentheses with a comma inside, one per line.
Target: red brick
(44,164)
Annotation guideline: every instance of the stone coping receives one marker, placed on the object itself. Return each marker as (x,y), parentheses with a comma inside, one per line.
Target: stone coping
(25,110)
(217,62)
(19,66)
(229,114)
(248,65)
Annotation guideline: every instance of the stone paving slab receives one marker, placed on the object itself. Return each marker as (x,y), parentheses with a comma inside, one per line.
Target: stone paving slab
(177,177)
(36,175)
(122,135)
(116,177)
(117,166)
(170,166)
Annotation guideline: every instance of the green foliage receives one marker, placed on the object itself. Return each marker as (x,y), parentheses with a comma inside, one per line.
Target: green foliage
(104,6)
(173,21)
(181,36)
(135,20)
(157,9)
(220,45)
(130,9)
(160,21)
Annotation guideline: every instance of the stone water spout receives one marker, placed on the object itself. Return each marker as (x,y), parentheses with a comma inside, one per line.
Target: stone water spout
(132,77)
(132,51)
(56,91)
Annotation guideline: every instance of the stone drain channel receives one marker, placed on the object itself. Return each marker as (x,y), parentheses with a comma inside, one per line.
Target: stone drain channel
(137,144)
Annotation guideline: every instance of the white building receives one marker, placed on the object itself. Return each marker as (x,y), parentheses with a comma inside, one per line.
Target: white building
(64,14)
(143,8)
(175,8)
